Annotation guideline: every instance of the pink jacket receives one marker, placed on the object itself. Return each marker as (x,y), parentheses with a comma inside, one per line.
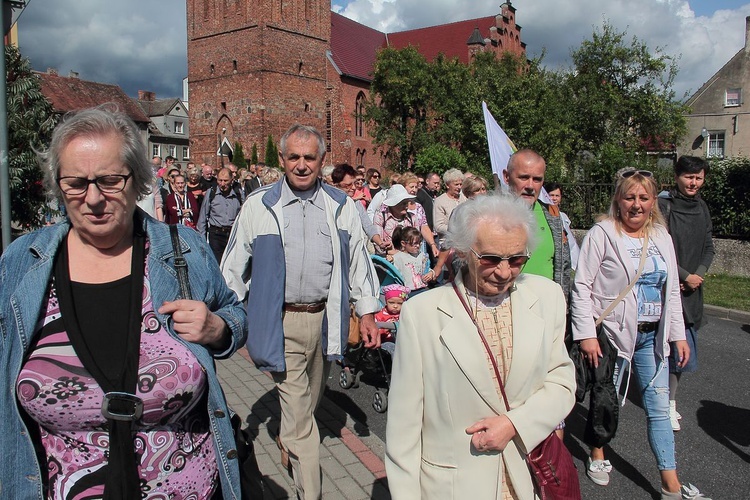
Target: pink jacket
(604,270)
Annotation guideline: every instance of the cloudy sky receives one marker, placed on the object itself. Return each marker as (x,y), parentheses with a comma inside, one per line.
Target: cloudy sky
(141,44)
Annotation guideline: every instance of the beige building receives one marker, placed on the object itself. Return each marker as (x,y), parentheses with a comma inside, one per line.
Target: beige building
(719,120)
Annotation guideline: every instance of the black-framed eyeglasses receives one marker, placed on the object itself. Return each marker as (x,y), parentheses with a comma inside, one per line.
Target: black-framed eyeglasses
(631,173)
(495,260)
(108,184)
(377,176)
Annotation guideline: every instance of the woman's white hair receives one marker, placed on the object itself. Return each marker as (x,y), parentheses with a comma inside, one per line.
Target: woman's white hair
(502,210)
(452,174)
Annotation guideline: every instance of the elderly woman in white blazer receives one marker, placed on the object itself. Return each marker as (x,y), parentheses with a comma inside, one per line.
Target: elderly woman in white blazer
(449,434)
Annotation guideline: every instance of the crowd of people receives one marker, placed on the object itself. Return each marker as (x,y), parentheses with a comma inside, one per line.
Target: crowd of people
(114,392)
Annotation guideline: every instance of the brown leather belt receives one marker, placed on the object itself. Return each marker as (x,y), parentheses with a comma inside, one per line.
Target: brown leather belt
(648,326)
(313,307)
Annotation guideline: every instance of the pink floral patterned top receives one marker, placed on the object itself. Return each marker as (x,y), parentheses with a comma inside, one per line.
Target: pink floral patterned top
(172,440)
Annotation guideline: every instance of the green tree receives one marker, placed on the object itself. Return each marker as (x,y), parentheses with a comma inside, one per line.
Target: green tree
(438,158)
(528,102)
(622,100)
(31,120)
(272,153)
(254,154)
(397,110)
(239,156)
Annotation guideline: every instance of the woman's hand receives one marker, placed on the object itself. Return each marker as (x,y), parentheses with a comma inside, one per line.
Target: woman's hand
(195,323)
(591,351)
(683,350)
(693,281)
(430,276)
(492,433)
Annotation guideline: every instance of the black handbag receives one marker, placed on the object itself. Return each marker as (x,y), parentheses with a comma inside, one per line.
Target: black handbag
(251,479)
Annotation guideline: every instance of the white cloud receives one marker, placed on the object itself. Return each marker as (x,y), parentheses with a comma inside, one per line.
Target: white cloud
(141,44)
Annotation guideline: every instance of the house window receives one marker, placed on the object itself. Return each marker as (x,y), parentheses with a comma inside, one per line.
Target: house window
(179,128)
(733,97)
(715,144)
(185,153)
(359,115)
(173,151)
(156,150)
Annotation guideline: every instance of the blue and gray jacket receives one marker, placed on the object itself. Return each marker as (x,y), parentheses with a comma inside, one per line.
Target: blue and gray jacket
(254,267)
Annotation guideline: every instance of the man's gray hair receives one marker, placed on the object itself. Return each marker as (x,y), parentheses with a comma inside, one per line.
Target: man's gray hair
(502,210)
(452,174)
(304,131)
(100,121)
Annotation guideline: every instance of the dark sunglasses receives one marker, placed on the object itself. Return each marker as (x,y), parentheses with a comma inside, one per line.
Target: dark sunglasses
(495,260)
(375,175)
(631,173)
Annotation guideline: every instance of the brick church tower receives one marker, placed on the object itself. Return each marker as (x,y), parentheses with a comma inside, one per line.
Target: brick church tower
(254,68)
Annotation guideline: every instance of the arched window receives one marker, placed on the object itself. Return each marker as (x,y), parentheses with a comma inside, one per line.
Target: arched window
(359,115)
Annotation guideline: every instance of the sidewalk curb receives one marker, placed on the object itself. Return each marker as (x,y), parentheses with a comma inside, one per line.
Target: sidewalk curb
(730,314)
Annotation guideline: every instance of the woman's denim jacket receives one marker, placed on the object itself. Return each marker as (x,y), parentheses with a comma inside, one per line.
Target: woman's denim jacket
(25,271)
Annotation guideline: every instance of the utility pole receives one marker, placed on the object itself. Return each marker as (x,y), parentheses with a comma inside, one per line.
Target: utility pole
(6,18)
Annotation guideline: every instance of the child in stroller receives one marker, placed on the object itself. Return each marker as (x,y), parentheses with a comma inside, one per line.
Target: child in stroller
(394,295)
(373,366)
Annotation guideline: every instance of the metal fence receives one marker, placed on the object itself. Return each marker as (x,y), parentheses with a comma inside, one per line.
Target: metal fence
(584,202)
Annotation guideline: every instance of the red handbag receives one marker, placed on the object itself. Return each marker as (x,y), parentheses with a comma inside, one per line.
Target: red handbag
(551,464)
(554,473)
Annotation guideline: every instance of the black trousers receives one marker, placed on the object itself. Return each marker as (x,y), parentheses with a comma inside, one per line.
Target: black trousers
(218,242)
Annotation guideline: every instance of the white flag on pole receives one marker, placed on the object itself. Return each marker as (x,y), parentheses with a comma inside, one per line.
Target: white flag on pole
(501,147)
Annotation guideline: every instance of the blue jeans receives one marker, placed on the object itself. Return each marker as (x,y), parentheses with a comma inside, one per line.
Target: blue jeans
(652,376)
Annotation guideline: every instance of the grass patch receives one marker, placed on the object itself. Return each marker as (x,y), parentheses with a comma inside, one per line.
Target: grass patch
(732,292)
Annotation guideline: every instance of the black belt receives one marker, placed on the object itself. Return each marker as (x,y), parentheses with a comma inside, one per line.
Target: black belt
(220,229)
(647,326)
(312,307)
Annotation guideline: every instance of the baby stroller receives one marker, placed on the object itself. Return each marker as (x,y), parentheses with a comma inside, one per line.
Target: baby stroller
(372,366)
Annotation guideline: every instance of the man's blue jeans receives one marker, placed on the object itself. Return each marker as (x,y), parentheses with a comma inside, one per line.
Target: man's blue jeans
(652,376)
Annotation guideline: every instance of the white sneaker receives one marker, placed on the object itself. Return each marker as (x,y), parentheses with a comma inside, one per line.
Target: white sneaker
(598,471)
(687,492)
(674,417)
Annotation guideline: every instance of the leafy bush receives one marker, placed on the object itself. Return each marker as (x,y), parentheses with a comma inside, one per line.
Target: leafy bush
(726,194)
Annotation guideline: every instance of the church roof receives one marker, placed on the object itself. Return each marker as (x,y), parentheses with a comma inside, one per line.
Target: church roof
(450,39)
(354,46)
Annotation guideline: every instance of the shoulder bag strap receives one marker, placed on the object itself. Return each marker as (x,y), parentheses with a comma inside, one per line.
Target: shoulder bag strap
(180,265)
(627,289)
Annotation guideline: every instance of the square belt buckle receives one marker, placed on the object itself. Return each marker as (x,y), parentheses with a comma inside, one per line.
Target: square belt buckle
(122,406)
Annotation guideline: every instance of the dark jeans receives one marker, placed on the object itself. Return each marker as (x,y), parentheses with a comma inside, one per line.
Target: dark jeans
(218,242)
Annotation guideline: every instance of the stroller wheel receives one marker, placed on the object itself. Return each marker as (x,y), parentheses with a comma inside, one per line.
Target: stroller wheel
(347,379)
(380,400)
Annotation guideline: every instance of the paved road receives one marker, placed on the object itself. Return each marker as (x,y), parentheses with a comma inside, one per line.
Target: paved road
(713,449)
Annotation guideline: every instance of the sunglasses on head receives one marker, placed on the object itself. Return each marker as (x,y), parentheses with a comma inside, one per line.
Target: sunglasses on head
(495,260)
(631,173)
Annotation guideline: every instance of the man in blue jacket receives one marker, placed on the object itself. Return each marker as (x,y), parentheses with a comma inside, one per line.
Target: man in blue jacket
(297,255)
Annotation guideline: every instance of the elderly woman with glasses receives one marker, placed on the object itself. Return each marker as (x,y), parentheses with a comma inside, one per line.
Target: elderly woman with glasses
(449,434)
(109,378)
(631,245)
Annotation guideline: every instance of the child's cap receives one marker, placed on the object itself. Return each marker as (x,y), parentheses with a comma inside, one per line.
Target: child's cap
(391,291)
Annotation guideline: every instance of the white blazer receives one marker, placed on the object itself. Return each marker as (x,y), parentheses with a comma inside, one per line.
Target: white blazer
(441,385)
